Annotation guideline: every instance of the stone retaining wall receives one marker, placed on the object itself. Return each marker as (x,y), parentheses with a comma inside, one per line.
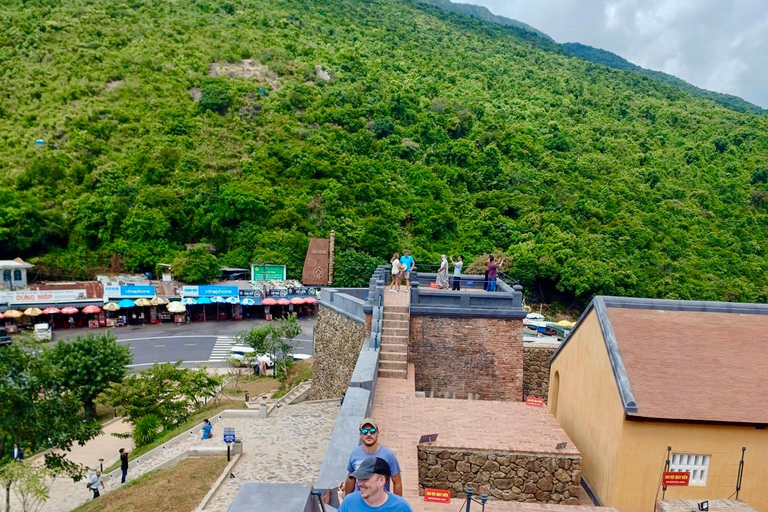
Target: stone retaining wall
(533,478)
(337,345)
(536,368)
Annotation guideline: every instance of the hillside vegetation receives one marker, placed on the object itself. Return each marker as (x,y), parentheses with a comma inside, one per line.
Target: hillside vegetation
(435,132)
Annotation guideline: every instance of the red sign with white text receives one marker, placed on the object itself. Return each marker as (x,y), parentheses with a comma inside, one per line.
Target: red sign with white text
(676,478)
(437,495)
(535,402)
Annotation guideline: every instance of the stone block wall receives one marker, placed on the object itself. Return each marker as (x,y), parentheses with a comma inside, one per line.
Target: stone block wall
(337,345)
(536,368)
(533,478)
(454,357)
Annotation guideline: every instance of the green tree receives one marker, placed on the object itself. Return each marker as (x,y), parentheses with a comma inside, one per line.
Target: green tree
(276,340)
(39,410)
(195,266)
(89,364)
(167,391)
(354,268)
(29,482)
(216,96)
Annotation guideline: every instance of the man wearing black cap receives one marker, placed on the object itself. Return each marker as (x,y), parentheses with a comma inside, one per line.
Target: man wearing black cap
(370,447)
(371,477)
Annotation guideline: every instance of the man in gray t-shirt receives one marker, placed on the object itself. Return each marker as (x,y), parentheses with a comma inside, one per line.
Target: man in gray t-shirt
(370,447)
(457,266)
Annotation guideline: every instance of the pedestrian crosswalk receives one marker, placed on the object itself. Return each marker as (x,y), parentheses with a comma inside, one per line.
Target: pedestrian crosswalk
(221,348)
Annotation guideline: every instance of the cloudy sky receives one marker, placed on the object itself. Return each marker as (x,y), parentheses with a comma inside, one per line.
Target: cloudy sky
(721,45)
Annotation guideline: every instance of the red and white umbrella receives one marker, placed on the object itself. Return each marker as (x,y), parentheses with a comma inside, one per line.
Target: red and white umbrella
(91,310)
(268,302)
(297,301)
(69,310)
(283,302)
(310,300)
(51,310)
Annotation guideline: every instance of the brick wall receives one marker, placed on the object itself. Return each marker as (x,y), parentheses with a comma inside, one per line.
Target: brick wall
(536,368)
(540,478)
(455,357)
(337,346)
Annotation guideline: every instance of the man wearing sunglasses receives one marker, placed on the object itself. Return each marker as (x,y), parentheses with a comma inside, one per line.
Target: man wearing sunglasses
(370,447)
(372,476)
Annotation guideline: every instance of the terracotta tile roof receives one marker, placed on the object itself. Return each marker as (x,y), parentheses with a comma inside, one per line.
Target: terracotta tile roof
(709,366)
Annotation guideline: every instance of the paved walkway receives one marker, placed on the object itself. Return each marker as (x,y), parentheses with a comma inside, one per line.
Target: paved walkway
(64,493)
(288,446)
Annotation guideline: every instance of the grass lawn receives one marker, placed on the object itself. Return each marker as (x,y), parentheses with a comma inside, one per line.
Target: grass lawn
(297,373)
(179,488)
(256,386)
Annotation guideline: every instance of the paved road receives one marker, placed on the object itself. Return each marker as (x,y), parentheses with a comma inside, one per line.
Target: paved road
(196,344)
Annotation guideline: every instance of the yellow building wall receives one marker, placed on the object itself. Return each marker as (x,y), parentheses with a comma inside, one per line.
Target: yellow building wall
(588,406)
(644,449)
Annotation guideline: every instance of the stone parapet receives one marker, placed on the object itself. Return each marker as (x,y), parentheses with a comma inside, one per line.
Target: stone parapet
(533,478)
(536,368)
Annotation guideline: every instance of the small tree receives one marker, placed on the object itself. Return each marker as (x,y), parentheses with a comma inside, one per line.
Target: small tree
(196,266)
(89,364)
(30,483)
(165,390)
(276,340)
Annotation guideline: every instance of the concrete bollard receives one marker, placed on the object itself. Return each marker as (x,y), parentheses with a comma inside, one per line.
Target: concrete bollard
(263,407)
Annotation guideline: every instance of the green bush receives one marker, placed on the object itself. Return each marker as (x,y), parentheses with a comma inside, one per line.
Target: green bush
(216,96)
(146,429)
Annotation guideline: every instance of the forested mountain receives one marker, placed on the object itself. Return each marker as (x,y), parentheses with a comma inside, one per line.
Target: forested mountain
(600,56)
(482,13)
(253,125)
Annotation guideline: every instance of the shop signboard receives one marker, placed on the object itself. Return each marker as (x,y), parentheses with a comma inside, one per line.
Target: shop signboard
(42,296)
(266,272)
(675,478)
(211,290)
(128,292)
(437,495)
(247,293)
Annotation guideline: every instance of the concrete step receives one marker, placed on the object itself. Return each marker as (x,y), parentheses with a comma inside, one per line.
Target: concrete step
(393,374)
(394,347)
(394,338)
(393,356)
(393,365)
(397,309)
(397,317)
(392,322)
(395,331)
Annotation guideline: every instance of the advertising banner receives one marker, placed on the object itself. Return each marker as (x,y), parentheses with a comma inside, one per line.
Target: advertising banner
(676,478)
(265,272)
(42,296)
(210,290)
(437,495)
(128,292)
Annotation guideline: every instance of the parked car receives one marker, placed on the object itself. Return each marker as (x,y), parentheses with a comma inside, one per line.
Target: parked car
(247,355)
(4,338)
(42,332)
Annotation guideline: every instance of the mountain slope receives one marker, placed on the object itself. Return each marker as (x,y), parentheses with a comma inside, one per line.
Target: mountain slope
(600,56)
(483,14)
(199,121)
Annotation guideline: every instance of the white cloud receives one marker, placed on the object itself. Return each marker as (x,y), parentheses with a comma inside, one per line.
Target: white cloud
(716,44)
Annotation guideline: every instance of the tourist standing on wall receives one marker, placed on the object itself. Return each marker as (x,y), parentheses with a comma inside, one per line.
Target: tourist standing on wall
(406,260)
(442,274)
(493,272)
(396,273)
(372,477)
(370,447)
(457,266)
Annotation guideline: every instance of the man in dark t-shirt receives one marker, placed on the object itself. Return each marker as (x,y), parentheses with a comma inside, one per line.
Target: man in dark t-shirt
(493,272)
(124,463)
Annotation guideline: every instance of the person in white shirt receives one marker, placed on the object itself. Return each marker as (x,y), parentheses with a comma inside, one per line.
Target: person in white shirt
(457,266)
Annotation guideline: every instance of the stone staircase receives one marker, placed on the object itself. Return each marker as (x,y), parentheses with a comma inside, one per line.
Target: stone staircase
(393,358)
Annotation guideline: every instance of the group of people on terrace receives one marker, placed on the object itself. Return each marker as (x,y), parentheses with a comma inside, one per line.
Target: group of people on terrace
(402,266)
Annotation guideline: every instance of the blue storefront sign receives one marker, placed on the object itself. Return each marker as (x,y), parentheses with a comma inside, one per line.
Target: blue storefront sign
(121,292)
(216,290)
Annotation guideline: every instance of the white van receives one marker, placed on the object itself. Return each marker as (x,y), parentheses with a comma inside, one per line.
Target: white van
(42,332)
(247,356)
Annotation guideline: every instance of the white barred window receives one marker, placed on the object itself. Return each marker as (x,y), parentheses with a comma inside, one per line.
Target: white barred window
(696,465)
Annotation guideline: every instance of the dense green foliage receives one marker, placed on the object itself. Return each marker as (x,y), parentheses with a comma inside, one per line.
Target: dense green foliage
(89,364)
(195,266)
(482,13)
(600,56)
(436,132)
(39,409)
